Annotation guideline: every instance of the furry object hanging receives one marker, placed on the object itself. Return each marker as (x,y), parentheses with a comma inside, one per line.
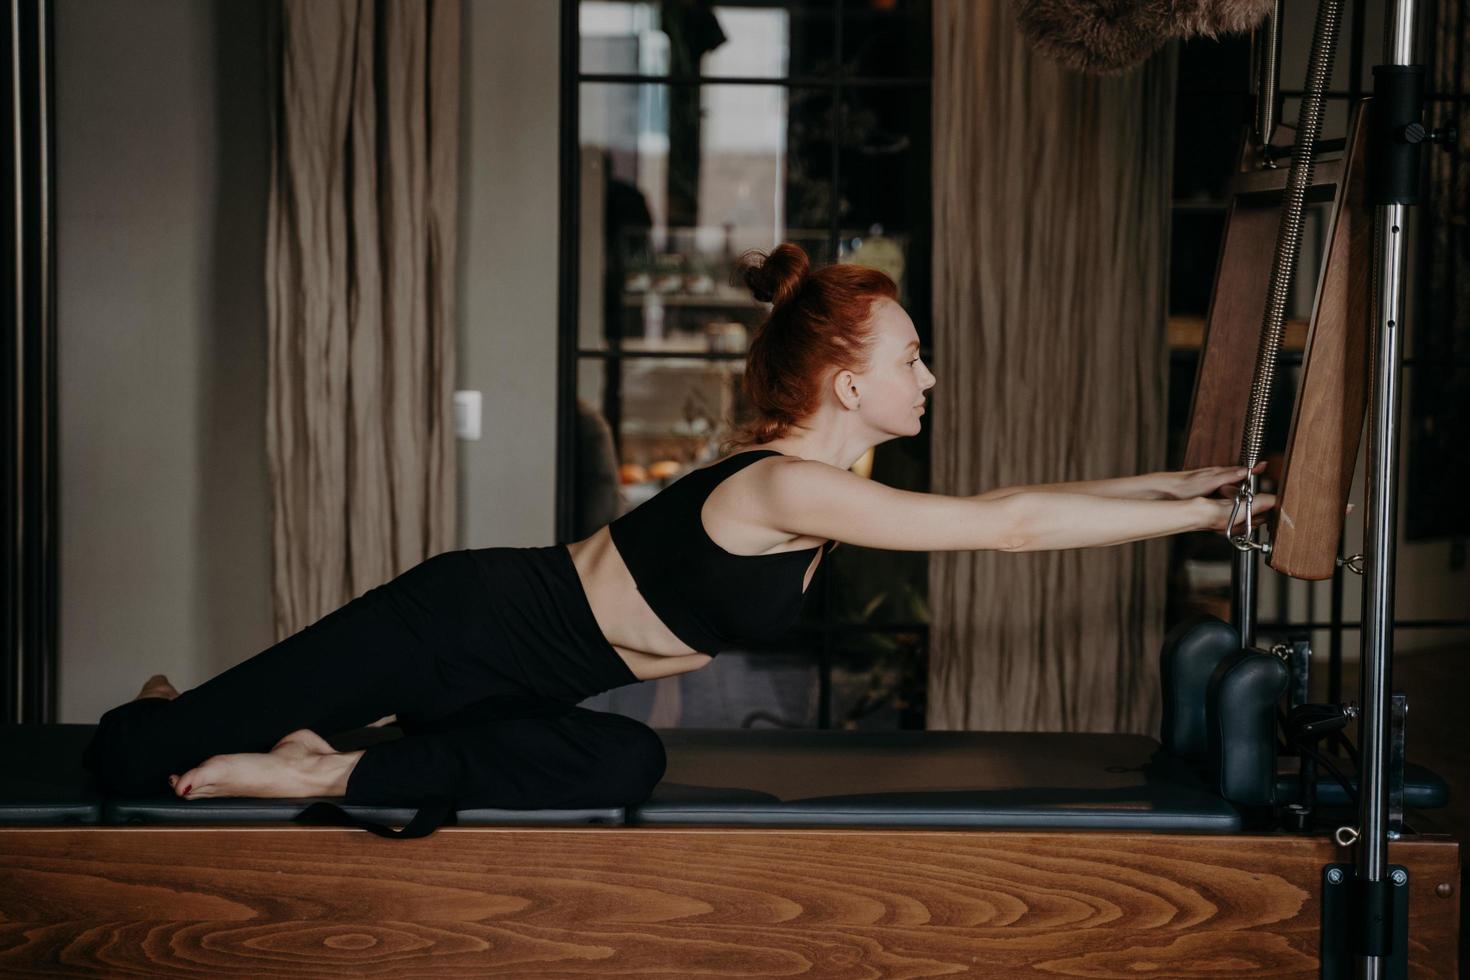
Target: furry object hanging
(1107,37)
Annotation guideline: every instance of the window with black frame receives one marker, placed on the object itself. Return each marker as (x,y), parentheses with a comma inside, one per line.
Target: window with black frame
(703,130)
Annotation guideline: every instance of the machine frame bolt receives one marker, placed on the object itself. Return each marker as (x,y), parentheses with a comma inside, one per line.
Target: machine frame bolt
(1334,875)
(1400,876)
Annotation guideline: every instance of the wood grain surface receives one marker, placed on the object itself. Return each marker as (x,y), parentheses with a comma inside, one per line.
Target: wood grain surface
(1227,362)
(1238,307)
(1327,422)
(697,902)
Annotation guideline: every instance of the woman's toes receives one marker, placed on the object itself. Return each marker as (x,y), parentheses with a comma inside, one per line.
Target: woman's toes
(189,781)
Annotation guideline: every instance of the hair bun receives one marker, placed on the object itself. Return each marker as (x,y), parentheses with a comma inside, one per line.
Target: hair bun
(775,277)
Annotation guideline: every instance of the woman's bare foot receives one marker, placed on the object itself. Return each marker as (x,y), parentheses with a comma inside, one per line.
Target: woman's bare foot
(157,686)
(301,764)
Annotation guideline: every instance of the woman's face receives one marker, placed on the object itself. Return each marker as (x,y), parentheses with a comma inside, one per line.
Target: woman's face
(892,389)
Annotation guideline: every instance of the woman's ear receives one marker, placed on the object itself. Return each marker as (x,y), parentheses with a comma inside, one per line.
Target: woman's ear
(844,385)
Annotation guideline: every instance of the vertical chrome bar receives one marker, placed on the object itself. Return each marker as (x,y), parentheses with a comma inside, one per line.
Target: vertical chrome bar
(17,392)
(1378,579)
(1243,597)
(1377,645)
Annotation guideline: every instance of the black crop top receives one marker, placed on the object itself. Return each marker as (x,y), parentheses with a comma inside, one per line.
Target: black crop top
(711,599)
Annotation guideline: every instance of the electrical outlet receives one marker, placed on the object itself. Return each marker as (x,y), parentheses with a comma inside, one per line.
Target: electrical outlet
(467,414)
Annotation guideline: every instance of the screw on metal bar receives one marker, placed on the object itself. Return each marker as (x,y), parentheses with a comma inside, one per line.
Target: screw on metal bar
(1400,876)
(1334,875)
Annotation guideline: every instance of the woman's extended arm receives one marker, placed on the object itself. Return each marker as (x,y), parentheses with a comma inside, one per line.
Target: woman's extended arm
(1145,486)
(1179,485)
(816,499)
(1050,521)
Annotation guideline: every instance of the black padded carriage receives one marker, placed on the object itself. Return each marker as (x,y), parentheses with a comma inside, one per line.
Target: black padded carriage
(767,777)
(930,779)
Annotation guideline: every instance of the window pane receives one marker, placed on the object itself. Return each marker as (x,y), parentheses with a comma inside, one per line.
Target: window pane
(885,38)
(780,39)
(662,417)
(677,182)
(884,207)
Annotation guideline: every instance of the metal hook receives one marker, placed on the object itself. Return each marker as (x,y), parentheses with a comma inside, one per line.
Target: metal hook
(1353,563)
(1346,836)
(1244,542)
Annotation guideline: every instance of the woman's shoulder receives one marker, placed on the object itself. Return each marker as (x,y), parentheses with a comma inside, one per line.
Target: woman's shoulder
(740,503)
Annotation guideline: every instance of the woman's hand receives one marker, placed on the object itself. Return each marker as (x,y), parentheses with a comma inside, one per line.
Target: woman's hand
(1217,512)
(1206,481)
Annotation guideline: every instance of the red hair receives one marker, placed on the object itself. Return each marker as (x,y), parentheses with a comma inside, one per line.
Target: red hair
(819,321)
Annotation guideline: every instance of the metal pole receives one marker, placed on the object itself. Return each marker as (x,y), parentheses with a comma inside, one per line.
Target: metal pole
(1243,591)
(1378,581)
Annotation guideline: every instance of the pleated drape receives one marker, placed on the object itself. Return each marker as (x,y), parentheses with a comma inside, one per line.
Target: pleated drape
(1051,231)
(360,257)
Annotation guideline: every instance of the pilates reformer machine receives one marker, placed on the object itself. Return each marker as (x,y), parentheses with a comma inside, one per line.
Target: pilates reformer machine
(1232,845)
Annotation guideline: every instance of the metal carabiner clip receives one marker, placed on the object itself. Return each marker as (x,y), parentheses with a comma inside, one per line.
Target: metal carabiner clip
(1243,495)
(1242,542)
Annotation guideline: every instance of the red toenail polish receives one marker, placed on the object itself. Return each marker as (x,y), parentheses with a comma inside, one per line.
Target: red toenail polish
(187,788)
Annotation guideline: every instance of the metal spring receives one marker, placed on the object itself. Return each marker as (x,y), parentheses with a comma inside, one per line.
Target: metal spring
(1267,53)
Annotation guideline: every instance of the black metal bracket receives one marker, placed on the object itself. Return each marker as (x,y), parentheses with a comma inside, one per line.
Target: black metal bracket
(1393,157)
(1363,918)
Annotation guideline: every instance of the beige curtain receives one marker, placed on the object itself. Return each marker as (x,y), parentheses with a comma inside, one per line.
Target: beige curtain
(1051,217)
(360,257)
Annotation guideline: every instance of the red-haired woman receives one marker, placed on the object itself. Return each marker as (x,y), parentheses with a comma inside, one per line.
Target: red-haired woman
(483,654)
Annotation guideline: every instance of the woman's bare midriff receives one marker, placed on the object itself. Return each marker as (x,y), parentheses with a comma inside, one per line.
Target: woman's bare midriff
(647,646)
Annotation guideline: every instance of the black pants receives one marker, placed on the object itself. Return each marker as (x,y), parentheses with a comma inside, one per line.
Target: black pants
(483,654)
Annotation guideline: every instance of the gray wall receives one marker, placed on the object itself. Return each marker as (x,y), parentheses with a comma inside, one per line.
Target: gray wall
(161,178)
(162,175)
(508,270)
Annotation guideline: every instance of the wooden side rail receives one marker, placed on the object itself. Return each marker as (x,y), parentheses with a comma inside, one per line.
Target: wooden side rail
(1227,360)
(1327,422)
(697,902)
